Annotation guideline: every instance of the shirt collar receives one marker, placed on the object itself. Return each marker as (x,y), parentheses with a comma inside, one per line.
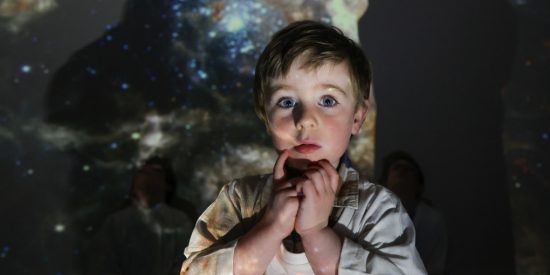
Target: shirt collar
(348,194)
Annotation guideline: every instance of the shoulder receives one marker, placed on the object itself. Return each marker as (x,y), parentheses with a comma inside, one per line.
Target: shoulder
(427,215)
(174,212)
(129,212)
(379,206)
(375,194)
(247,186)
(243,195)
(237,200)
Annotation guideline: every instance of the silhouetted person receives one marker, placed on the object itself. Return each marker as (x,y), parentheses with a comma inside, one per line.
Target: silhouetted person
(146,237)
(403,176)
(170,186)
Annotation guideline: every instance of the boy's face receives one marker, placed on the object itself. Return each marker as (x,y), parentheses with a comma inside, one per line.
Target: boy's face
(312,113)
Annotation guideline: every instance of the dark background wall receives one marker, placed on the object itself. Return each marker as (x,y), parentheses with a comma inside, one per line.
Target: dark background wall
(439,69)
(462,85)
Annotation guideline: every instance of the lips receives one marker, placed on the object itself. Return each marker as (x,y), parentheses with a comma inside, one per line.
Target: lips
(307,148)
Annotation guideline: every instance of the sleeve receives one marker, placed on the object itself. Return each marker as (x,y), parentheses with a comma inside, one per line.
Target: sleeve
(213,240)
(382,238)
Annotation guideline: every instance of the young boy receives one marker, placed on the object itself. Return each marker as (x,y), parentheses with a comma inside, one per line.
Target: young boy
(313,214)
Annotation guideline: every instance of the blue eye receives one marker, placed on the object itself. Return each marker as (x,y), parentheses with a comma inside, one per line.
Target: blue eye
(328,101)
(286,102)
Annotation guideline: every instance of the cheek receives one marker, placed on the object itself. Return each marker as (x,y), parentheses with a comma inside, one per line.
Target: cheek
(280,129)
(340,129)
(279,124)
(338,124)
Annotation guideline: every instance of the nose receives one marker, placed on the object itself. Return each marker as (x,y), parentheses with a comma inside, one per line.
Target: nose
(304,117)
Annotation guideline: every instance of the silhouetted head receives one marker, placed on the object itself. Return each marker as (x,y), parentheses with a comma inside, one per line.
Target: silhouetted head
(402,174)
(154,182)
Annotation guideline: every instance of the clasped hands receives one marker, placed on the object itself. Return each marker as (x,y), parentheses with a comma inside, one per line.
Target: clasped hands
(304,203)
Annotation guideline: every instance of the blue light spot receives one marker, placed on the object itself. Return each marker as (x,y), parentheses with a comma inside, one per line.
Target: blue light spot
(124,86)
(114,146)
(202,74)
(109,37)
(192,64)
(205,11)
(125,47)
(545,136)
(108,26)
(17,163)
(246,48)
(151,103)
(26,69)
(91,70)
(174,34)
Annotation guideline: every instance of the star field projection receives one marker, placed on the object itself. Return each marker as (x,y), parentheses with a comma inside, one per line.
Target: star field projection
(174,78)
(171,78)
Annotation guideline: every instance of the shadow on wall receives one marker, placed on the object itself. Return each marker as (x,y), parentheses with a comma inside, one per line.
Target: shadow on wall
(156,84)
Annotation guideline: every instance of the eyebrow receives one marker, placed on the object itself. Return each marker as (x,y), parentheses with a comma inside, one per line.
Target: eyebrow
(278,87)
(336,87)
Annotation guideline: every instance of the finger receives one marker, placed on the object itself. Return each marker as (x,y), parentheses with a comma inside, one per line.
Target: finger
(295,181)
(299,187)
(326,178)
(314,175)
(278,169)
(287,192)
(308,189)
(283,185)
(281,196)
(332,174)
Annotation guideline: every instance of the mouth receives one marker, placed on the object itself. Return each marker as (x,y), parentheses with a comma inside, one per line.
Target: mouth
(306,148)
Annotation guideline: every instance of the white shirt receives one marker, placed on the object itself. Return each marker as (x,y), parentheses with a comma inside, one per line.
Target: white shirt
(286,262)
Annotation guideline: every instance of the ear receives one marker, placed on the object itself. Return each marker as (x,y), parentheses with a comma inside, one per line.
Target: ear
(359,116)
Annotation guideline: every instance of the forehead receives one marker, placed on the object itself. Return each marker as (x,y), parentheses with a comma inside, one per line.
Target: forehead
(303,74)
